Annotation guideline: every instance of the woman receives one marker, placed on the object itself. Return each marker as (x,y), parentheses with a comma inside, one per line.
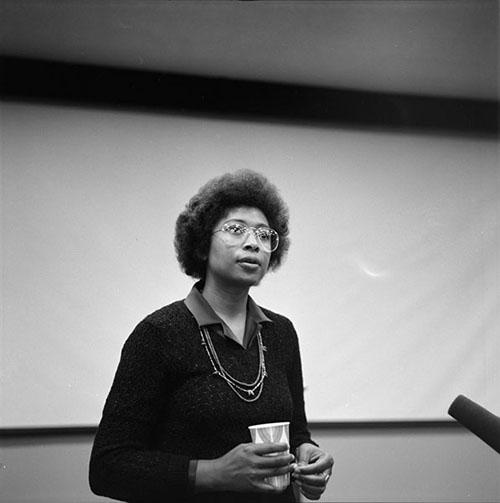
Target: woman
(195,374)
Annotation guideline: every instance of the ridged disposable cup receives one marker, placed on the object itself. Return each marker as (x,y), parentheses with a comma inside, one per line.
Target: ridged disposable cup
(273,433)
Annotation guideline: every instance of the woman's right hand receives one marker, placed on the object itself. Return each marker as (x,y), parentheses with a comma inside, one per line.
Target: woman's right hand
(244,468)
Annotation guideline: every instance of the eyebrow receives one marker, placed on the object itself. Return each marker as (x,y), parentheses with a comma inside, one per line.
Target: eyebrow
(238,220)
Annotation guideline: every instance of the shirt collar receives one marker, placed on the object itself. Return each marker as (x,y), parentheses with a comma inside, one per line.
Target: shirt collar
(205,315)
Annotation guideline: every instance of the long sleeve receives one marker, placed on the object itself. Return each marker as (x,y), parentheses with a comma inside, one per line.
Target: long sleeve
(299,432)
(124,463)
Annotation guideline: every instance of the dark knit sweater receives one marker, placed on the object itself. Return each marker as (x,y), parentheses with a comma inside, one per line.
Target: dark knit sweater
(166,407)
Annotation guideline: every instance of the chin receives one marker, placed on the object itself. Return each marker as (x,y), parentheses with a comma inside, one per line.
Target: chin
(256,281)
(248,281)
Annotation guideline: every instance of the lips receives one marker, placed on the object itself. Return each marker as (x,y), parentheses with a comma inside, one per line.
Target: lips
(248,260)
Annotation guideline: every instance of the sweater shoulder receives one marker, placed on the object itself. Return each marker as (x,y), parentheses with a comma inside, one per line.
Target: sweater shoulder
(274,316)
(282,333)
(281,322)
(171,323)
(169,316)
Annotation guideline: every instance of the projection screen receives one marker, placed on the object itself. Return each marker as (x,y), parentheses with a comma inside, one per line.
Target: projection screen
(391,279)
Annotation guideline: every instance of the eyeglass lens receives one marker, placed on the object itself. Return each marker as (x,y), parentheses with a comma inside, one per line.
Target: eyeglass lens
(268,238)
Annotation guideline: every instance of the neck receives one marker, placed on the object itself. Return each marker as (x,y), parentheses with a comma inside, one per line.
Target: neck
(227,301)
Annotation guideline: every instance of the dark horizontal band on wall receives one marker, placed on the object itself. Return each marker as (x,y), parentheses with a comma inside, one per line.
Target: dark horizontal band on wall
(47,431)
(381,425)
(40,80)
(333,425)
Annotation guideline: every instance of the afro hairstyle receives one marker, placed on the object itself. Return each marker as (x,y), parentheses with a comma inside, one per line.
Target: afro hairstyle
(194,226)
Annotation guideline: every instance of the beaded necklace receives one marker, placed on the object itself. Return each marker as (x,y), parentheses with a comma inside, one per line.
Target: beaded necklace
(248,392)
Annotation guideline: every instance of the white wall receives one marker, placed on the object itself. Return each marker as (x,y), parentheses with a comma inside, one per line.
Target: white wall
(406,464)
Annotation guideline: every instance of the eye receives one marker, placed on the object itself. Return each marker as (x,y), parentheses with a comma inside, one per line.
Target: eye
(264,234)
(235,228)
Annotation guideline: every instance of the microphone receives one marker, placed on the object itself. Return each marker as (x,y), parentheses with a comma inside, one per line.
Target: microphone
(477,419)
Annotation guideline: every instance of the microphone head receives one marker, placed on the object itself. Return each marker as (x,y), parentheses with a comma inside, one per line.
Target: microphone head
(477,419)
(461,405)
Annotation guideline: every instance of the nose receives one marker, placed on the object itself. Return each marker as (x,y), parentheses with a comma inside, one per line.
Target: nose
(251,241)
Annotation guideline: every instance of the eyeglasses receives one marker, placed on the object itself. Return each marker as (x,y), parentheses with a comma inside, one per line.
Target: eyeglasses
(236,233)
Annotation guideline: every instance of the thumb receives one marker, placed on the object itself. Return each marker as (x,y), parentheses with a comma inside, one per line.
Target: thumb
(302,457)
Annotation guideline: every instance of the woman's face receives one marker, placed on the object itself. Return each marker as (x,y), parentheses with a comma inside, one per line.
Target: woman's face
(238,260)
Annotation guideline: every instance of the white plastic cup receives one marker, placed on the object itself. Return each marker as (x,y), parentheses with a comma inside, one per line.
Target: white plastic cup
(273,433)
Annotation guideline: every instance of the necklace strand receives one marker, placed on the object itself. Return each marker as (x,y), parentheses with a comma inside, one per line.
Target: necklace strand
(221,368)
(237,386)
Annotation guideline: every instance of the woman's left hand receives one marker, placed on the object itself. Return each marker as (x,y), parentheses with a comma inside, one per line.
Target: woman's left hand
(313,469)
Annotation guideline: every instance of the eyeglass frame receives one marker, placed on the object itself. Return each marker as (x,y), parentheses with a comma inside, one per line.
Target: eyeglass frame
(255,230)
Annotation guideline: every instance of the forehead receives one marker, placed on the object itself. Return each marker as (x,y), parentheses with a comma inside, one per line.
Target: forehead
(246,214)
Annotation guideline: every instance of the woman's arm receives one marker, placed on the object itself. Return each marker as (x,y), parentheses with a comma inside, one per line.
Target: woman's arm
(124,463)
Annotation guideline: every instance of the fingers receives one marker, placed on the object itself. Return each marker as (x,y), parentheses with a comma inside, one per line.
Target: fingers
(263,482)
(318,480)
(312,486)
(276,461)
(247,466)
(276,466)
(269,448)
(275,472)
(266,487)
(322,464)
(312,493)
(269,458)
(312,479)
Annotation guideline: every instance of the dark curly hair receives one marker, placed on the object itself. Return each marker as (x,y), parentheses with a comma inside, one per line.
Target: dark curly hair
(194,226)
